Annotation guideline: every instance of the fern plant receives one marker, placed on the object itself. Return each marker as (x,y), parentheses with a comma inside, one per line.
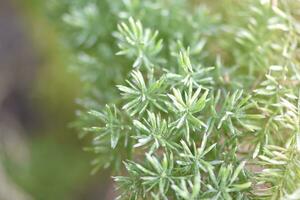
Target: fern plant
(189,100)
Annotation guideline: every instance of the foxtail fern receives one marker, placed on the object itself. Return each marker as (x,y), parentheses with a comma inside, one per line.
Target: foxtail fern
(186,99)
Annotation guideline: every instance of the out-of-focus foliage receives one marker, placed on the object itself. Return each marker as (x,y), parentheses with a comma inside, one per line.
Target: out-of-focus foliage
(45,177)
(56,167)
(209,101)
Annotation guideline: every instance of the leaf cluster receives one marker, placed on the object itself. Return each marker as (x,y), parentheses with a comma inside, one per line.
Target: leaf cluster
(201,100)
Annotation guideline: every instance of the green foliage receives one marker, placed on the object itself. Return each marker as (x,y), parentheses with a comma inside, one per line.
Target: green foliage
(188,75)
(140,95)
(211,106)
(187,108)
(135,42)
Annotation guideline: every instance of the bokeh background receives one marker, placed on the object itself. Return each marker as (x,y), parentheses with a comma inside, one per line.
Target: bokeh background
(41,157)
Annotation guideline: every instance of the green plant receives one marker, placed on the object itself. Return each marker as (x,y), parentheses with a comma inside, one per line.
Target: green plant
(208,105)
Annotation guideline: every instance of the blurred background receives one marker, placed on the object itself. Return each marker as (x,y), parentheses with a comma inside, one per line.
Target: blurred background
(41,157)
